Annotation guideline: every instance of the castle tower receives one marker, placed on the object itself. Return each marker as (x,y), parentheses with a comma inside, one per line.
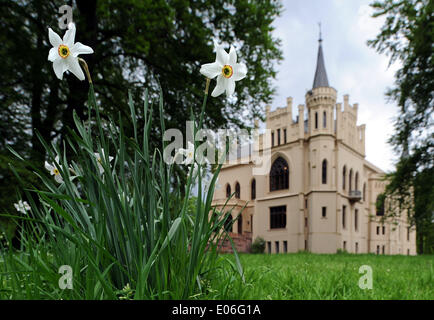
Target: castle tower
(321,99)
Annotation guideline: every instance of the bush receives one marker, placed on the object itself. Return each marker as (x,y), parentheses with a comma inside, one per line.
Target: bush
(258,245)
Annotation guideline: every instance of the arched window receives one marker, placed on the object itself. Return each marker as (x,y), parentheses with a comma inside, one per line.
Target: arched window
(357,182)
(228,190)
(324,119)
(379,204)
(279,175)
(253,190)
(324,171)
(350,182)
(240,224)
(237,190)
(316,120)
(344,176)
(228,223)
(364,191)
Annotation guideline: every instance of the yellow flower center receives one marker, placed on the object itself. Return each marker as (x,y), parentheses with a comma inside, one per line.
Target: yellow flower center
(56,172)
(63,51)
(227,71)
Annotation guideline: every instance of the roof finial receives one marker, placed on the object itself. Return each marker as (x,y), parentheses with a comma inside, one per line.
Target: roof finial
(320,36)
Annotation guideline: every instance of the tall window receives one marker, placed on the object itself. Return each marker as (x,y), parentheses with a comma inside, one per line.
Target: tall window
(228,223)
(324,171)
(253,189)
(316,120)
(324,212)
(344,213)
(379,204)
(228,190)
(237,190)
(272,139)
(344,176)
(324,119)
(279,175)
(350,181)
(240,224)
(278,217)
(278,137)
(357,182)
(284,135)
(364,192)
(356,219)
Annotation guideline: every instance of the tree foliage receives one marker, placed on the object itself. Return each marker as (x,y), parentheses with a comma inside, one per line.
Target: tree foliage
(407,36)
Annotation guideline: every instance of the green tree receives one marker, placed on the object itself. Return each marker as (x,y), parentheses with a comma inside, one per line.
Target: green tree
(138,44)
(408,37)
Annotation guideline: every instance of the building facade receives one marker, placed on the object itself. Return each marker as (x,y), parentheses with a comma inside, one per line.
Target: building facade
(320,192)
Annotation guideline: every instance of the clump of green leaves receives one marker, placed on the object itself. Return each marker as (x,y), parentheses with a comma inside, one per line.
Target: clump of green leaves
(127,231)
(258,246)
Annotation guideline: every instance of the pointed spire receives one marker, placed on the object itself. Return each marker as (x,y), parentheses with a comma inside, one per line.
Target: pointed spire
(320,79)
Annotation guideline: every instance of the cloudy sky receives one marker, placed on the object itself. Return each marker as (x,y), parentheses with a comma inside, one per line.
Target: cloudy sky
(352,67)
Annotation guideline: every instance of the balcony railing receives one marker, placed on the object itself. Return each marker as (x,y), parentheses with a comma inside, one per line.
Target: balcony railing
(355,195)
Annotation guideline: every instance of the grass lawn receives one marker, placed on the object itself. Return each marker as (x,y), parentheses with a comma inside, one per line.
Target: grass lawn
(315,276)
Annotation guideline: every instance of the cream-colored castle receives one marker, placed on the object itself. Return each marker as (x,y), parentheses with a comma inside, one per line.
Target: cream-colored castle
(319,193)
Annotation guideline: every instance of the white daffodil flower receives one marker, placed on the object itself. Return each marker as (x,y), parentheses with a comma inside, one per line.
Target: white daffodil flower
(22,206)
(53,170)
(64,53)
(99,161)
(226,69)
(188,153)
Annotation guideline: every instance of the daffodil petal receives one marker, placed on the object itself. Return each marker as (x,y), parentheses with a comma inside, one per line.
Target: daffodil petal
(54,38)
(222,56)
(48,166)
(220,87)
(58,178)
(240,71)
(79,48)
(53,54)
(211,70)
(69,36)
(74,67)
(232,56)
(230,88)
(59,68)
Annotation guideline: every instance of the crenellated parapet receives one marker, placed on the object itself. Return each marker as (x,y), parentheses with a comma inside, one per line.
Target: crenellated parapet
(322,96)
(347,129)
